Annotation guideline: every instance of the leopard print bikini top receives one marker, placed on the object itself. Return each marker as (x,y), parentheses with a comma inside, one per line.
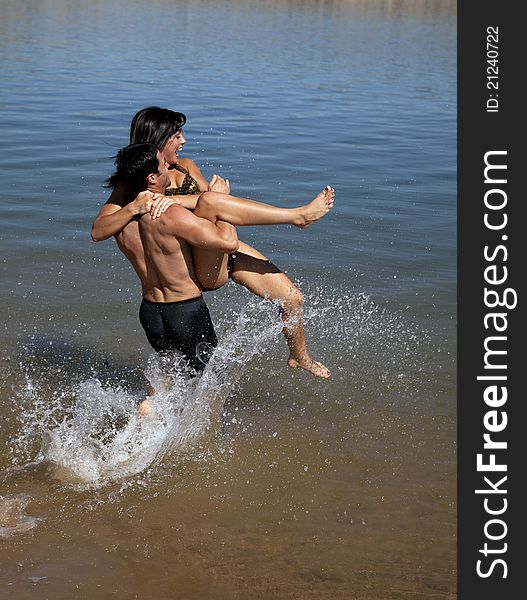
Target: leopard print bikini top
(189,185)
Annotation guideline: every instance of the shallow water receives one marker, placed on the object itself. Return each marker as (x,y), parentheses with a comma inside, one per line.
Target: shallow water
(257,481)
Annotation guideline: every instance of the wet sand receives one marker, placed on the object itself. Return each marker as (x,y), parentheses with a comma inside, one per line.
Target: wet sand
(339,513)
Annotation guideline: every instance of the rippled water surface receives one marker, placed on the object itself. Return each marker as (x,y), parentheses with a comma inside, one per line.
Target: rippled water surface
(256,481)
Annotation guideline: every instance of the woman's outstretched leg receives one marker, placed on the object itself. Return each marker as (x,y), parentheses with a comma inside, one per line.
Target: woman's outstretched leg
(216,206)
(211,265)
(251,269)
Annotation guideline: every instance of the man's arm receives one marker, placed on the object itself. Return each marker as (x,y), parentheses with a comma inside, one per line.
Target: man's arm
(199,232)
(114,217)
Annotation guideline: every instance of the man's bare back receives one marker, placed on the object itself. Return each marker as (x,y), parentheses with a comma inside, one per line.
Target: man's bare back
(159,249)
(162,261)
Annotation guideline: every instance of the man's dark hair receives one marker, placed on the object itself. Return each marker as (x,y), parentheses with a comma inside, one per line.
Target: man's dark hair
(133,164)
(154,125)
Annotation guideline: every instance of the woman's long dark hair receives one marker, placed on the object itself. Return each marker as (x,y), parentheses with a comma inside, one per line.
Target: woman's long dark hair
(154,125)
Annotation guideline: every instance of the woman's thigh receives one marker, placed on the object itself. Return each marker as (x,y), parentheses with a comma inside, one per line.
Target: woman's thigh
(210,267)
(260,276)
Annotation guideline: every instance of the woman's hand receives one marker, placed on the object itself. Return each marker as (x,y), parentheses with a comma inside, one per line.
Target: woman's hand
(142,203)
(159,204)
(218,184)
(149,202)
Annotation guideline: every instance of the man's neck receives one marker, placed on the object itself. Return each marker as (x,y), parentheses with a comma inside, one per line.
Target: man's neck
(156,189)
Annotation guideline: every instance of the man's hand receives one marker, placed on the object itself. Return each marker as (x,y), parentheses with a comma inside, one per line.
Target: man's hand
(218,184)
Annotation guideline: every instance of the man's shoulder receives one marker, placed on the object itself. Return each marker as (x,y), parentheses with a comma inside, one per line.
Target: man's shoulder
(174,218)
(175,211)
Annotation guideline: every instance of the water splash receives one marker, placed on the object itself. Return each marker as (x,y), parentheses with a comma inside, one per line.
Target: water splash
(84,422)
(91,431)
(13,519)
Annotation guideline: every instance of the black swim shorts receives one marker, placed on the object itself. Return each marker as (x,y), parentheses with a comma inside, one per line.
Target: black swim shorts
(184,326)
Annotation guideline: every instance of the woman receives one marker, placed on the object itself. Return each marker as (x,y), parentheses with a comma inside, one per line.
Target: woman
(247,266)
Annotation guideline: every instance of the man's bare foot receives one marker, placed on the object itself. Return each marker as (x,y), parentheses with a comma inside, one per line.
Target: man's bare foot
(314,367)
(144,408)
(317,208)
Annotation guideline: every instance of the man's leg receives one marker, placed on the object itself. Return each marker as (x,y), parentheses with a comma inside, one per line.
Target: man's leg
(184,327)
(152,322)
(144,408)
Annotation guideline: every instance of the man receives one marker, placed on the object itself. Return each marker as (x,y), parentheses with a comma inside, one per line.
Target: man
(211,264)
(173,312)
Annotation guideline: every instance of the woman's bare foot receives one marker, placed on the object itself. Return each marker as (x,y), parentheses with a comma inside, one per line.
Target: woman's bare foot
(314,367)
(317,208)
